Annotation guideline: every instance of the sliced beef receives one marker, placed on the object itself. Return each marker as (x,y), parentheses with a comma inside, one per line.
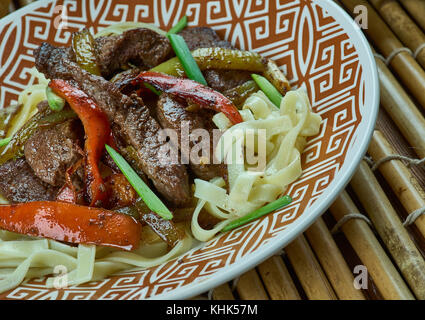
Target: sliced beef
(142,131)
(49,152)
(203,37)
(129,117)
(220,80)
(53,62)
(223,80)
(18,183)
(142,47)
(172,114)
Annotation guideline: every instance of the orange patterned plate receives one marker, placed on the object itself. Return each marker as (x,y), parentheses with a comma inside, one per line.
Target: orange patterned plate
(315,43)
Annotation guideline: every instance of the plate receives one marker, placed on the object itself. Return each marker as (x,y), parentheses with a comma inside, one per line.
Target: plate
(316,44)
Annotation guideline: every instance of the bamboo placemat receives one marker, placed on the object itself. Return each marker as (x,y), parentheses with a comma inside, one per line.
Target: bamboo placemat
(363,229)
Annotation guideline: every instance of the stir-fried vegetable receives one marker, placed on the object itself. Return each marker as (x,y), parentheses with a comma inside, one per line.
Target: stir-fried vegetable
(179,26)
(57,117)
(71,223)
(277,204)
(43,119)
(5,142)
(216,58)
(185,57)
(194,91)
(165,229)
(239,94)
(276,77)
(147,195)
(98,133)
(269,90)
(55,102)
(84,48)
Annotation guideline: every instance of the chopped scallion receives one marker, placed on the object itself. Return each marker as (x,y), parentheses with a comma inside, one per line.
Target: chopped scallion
(179,26)
(56,103)
(186,59)
(148,196)
(277,204)
(269,90)
(5,142)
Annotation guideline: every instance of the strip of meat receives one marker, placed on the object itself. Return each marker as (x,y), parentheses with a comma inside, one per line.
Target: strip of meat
(141,47)
(203,37)
(49,152)
(130,119)
(224,80)
(18,183)
(172,114)
(219,80)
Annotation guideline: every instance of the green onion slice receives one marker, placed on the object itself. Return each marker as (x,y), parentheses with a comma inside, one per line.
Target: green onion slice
(186,59)
(56,103)
(277,204)
(5,142)
(269,90)
(148,196)
(179,26)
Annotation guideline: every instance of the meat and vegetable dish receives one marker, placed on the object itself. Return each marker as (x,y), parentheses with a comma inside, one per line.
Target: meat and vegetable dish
(134,144)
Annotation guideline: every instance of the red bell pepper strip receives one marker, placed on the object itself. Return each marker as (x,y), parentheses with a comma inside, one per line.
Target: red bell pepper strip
(71,223)
(98,133)
(189,89)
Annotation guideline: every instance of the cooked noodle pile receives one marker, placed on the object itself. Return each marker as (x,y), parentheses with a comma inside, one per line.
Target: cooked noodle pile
(284,135)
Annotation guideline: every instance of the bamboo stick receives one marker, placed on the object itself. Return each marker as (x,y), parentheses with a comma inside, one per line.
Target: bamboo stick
(409,71)
(386,277)
(402,25)
(403,183)
(223,292)
(390,229)
(333,262)
(309,271)
(249,287)
(401,109)
(416,9)
(277,279)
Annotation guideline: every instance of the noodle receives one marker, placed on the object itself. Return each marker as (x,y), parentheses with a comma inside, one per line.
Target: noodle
(285,131)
